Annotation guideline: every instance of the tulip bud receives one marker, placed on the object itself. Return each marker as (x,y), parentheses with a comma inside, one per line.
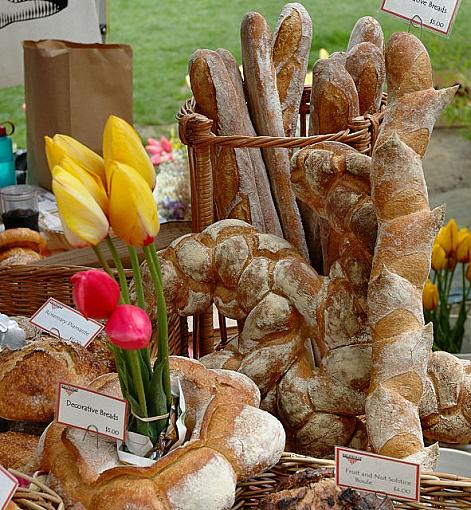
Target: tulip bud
(463,253)
(439,259)
(95,293)
(129,327)
(448,237)
(430,296)
(121,143)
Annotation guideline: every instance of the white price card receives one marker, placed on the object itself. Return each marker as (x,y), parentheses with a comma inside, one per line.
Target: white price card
(436,15)
(91,411)
(376,473)
(8,485)
(66,323)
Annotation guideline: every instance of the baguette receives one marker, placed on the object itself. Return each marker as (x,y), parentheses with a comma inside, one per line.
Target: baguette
(334,98)
(265,109)
(291,47)
(270,216)
(367,29)
(365,64)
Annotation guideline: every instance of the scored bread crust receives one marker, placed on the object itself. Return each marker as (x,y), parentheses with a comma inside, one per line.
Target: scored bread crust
(366,29)
(29,377)
(18,451)
(230,440)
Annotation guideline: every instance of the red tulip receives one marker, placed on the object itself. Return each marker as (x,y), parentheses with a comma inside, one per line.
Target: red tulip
(129,327)
(95,293)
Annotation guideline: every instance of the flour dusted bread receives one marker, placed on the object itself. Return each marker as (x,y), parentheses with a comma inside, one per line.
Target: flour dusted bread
(334,98)
(265,110)
(365,64)
(18,451)
(224,446)
(366,29)
(241,186)
(291,46)
(29,377)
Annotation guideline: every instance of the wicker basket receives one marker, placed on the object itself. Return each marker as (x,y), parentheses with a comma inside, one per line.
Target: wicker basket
(195,132)
(24,289)
(37,496)
(438,490)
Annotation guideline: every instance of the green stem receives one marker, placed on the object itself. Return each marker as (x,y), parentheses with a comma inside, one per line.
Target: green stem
(119,267)
(138,384)
(163,353)
(136,269)
(137,277)
(102,260)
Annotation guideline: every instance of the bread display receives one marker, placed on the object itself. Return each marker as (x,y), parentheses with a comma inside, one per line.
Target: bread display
(229,440)
(266,113)
(29,377)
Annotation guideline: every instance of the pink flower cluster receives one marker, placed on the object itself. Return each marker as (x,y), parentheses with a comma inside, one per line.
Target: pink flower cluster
(160,150)
(96,295)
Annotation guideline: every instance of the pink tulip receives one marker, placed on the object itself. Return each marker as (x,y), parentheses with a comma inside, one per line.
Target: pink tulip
(95,293)
(129,327)
(154,149)
(156,159)
(152,141)
(166,145)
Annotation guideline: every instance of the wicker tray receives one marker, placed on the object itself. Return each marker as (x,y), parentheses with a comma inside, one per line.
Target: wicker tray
(38,496)
(438,490)
(24,289)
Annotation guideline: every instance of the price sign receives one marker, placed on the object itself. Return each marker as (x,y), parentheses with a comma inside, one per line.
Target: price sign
(8,485)
(376,473)
(436,15)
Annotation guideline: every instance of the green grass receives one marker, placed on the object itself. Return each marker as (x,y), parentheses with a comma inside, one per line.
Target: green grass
(163,35)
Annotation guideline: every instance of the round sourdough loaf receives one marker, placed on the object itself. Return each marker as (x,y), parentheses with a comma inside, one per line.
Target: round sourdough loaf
(230,440)
(29,376)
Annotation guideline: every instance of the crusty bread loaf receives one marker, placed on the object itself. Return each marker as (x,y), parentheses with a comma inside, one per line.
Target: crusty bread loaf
(18,256)
(291,47)
(229,440)
(408,65)
(241,186)
(18,451)
(366,29)
(22,238)
(365,64)
(29,377)
(265,109)
(334,98)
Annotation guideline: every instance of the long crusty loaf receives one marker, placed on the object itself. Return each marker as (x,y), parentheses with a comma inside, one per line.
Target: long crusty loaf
(270,216)
(291,45)
(235,192)
(366,29)
(265,110)
(334,98)
(365,64)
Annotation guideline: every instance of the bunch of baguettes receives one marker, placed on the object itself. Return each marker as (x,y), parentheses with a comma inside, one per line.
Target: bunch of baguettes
(372,353)
(252,184)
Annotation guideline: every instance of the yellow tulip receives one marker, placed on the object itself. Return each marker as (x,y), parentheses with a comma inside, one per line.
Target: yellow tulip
(448,237)
(84,222)
(133,211)
(121,143)
(93,183)
(463,253)
(439,259)
(63,145)
(462,233)
(430,296)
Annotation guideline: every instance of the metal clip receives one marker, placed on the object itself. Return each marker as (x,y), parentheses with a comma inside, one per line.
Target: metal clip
(88,430)
(416,19)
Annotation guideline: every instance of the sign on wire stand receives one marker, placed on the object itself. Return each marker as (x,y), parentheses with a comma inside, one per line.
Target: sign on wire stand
(436,15)
(91,411)
(64,322)
(369,472)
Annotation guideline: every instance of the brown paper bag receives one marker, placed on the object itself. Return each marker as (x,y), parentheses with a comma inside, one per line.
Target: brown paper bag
(71,89)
